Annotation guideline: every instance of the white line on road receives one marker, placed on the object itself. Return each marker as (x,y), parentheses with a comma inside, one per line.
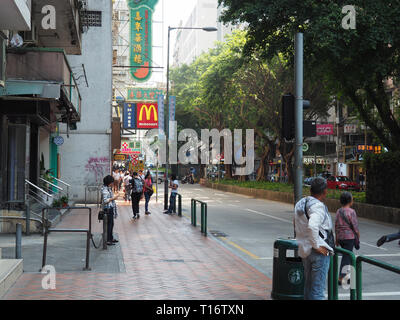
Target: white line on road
(267,215)
(371,294)
(367,244)
(382,255)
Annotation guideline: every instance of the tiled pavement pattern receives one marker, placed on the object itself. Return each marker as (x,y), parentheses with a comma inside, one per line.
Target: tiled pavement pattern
(165,258)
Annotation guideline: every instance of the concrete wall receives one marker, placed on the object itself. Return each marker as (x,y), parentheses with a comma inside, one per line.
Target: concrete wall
(86,154)
(369,211)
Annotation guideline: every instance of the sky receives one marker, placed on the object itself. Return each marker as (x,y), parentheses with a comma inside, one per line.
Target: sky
(174,12)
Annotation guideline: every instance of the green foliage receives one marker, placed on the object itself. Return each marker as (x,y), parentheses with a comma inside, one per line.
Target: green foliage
(383,172)
(285,187)
(352,63)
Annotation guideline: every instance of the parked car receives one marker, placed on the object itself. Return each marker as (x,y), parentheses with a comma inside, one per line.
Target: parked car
(342,183)
(325,175)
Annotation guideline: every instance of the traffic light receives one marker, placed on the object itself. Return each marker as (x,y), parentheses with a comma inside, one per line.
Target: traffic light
(288,107)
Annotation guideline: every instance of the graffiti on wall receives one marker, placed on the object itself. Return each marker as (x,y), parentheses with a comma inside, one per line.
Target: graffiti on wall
(97,169)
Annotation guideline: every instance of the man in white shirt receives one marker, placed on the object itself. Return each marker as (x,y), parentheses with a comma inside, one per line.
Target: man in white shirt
(116,177)
(127,184)
(174,185)
(313,227)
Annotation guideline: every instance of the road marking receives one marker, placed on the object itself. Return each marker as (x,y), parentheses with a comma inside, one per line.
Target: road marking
(267,215)
(371,294)
(367,244)
(266,258)
(382,255)
(240,248)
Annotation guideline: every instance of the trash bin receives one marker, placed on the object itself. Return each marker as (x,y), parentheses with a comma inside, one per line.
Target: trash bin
(288,271)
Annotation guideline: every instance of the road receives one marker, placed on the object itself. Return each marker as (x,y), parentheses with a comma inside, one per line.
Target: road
(248,227)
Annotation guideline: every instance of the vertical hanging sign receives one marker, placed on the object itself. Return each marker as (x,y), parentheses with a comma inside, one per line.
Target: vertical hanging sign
(141,14)
(161,115)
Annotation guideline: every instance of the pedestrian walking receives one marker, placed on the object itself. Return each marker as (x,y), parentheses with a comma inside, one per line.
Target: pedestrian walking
(313,227)
(137,192)
(361,178)
(127,186)
(121,179)
(109,207)
(116,177)
(174,185)
(346,230)
(388,238)
(148,191)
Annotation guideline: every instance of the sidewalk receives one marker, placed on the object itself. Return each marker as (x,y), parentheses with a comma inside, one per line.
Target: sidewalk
(164,258)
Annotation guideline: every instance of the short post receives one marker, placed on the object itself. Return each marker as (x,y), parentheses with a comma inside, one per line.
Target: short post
(202,218)
(335,277)
(87,251)
(194,213)
(179,205)
(105,218)
(330,279)
(205,219)
(28,218)
(44,246)
(85,194)
(359,279)
(18,239)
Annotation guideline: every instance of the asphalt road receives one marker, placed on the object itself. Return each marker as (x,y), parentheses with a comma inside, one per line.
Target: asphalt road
(249,227)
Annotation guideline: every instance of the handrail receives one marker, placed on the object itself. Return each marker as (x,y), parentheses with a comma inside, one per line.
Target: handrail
(62,182)
(38,188)
(333,286)
(53,185)
(203,215)
(374,262)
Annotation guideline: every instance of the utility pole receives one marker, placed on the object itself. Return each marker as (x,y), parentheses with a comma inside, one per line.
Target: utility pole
(298,117)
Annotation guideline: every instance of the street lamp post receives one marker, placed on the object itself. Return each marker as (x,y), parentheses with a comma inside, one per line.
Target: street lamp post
(207,29)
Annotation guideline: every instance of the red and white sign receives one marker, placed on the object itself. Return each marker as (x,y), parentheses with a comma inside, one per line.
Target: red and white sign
(147,116)
(350,128)
(325,129)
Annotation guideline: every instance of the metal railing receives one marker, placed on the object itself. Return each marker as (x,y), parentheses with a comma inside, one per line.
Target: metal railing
(203,219)
(355,273)
(333,276)
(30,184)
(374,262)
(63,183)
(91,189)
(53,189)
(48,230)
(179,205)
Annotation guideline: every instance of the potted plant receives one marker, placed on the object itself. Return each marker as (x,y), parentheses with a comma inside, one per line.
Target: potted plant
(64,201)
(56,203)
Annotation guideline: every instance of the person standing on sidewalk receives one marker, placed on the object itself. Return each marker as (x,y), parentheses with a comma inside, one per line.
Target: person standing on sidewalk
(137,191)
(109,207)
(174,185)
(116,177)
(127,186)
(148,191)
(313,227)
(346,229)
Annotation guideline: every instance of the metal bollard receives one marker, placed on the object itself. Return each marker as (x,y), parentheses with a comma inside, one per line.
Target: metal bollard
(18,239)
(105,221)
(28,217)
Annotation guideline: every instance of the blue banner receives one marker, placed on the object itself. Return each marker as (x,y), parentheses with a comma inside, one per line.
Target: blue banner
(129,115)
(172,103)
(161,114)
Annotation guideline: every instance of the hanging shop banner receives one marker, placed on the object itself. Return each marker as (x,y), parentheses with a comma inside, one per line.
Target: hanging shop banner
(144,94)
(129,115)
(141,14)
(147,116)
(325,130)
(172,103)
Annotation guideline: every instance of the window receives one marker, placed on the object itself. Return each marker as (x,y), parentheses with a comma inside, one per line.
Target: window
(91,18)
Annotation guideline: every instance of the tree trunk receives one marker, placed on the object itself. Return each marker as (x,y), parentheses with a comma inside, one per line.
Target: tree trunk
(228,171)
(261,171)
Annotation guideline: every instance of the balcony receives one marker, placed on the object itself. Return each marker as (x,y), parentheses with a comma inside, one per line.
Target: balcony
(15,15)
(68,32)
(42,74)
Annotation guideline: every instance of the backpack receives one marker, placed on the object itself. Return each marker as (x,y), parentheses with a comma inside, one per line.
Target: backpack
(137,186)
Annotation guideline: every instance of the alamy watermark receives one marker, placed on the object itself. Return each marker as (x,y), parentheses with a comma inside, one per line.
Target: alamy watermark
(349,20)
(196,149)
(49,280)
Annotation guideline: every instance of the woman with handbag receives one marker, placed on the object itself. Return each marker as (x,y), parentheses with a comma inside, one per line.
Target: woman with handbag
(148,191)
(346,228)
(109,207)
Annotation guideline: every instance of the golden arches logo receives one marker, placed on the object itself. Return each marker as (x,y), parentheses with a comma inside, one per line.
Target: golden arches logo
(148,112)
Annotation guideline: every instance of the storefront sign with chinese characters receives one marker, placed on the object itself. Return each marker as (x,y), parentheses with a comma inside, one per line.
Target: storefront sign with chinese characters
(325,129)
(350,128)
(144,94)
(141,14)
(361,148)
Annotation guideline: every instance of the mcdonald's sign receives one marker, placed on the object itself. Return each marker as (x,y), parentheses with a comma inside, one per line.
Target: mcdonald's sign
(147,116)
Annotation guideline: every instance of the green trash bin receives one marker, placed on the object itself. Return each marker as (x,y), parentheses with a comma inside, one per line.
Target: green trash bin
(288,271)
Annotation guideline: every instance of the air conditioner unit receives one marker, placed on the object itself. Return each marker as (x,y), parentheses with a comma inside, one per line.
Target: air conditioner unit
(32,35)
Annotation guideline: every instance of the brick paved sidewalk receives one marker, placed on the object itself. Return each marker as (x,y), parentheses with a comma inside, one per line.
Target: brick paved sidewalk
(165,258)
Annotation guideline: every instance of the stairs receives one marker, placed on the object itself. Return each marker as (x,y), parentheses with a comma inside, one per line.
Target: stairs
(10,271)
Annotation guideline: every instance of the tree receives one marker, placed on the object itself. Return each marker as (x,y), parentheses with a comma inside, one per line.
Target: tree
(354,62)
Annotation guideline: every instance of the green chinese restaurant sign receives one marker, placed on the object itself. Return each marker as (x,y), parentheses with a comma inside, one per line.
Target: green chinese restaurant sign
(141,14)
(143,94)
